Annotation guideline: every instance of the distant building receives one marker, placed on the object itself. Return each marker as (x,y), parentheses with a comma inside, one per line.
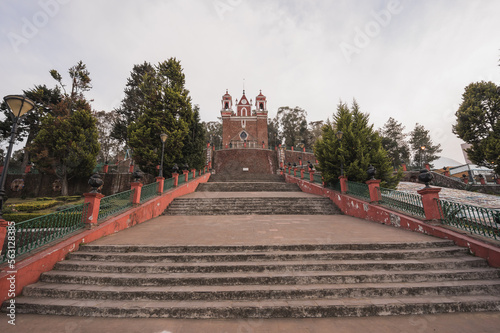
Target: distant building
(465,146)
(245,126)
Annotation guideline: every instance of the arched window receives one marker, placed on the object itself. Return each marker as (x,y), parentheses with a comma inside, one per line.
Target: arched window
(261,106)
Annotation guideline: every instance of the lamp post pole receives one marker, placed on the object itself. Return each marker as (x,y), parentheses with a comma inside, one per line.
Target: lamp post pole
(18,105)
(163,138)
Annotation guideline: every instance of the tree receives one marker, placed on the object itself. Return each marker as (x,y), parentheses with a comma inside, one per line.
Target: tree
(273,134)
(110,147)
(478,123)
(166,109)
(360,146)
(67,142)
(314,132)
(29,125)
(423,149)
(132,105)
(292,125)
(213,130)
(394,142)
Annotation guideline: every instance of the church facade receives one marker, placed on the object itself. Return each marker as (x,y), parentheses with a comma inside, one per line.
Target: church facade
(246,125)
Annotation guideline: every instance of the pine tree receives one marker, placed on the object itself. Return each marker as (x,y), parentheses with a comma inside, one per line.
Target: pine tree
(166,109)
(360,146)
(423,149)
(394,142)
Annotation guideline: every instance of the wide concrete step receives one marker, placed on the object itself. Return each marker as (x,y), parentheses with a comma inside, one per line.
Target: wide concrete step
(271,266)
(194,249)
(207,257)
(315,308)
(258,292)
(269,278)
(247,187)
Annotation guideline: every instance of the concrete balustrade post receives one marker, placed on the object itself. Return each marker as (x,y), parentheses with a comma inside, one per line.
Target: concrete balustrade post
(343,184)
(4,231)
(186,175)
(161,182)
(175,175)
(136,198)
(429,201)
(295,172)
(374,189)
(404,166)
(194,173)
(94,204)
(311,176)
(301,173)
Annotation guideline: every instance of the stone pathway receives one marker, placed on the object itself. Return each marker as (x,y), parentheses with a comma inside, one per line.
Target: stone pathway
(465,197)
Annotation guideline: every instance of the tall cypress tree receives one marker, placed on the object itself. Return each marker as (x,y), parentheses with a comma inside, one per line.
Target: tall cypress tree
(166,109)
(360,146)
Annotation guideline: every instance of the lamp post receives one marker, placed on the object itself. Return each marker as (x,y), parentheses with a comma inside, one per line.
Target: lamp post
(163,138)
(19,106)
(422,153)
(339,135)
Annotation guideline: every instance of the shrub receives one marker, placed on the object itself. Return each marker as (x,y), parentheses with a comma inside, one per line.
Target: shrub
(34,206)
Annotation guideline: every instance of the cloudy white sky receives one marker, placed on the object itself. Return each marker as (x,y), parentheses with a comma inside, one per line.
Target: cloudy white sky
(407,59)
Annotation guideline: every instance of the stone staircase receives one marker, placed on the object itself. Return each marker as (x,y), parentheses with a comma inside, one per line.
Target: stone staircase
(247,187)
(263,281)
(256,202)
(252,205)
(274,281)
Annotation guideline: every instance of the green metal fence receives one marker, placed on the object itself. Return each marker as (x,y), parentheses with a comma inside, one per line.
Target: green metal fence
(318,178)
(114,204)
(358,190)
(32,234)
(406,202)
(335,186)
(168,184)
(149,191)
(182,179)
(474,219)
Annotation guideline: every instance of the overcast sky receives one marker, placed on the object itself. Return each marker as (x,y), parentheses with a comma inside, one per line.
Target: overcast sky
(409,60)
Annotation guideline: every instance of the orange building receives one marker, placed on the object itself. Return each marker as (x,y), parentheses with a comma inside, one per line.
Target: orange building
(247,126)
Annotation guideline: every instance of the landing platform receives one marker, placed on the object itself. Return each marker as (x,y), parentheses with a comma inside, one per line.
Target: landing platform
(260,230)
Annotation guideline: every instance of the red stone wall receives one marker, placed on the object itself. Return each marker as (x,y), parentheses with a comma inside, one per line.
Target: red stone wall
(232,161)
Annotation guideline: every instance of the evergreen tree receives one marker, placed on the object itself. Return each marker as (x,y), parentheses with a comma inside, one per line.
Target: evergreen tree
(132,105)
(166,109)
(67,142)
(478,123)
(360,146)
(423,149)
(393,141)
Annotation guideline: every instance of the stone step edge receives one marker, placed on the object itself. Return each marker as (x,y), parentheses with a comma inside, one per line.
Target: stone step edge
(291,247)
(264,309)
(268,275)
(284,264)
(69,287)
